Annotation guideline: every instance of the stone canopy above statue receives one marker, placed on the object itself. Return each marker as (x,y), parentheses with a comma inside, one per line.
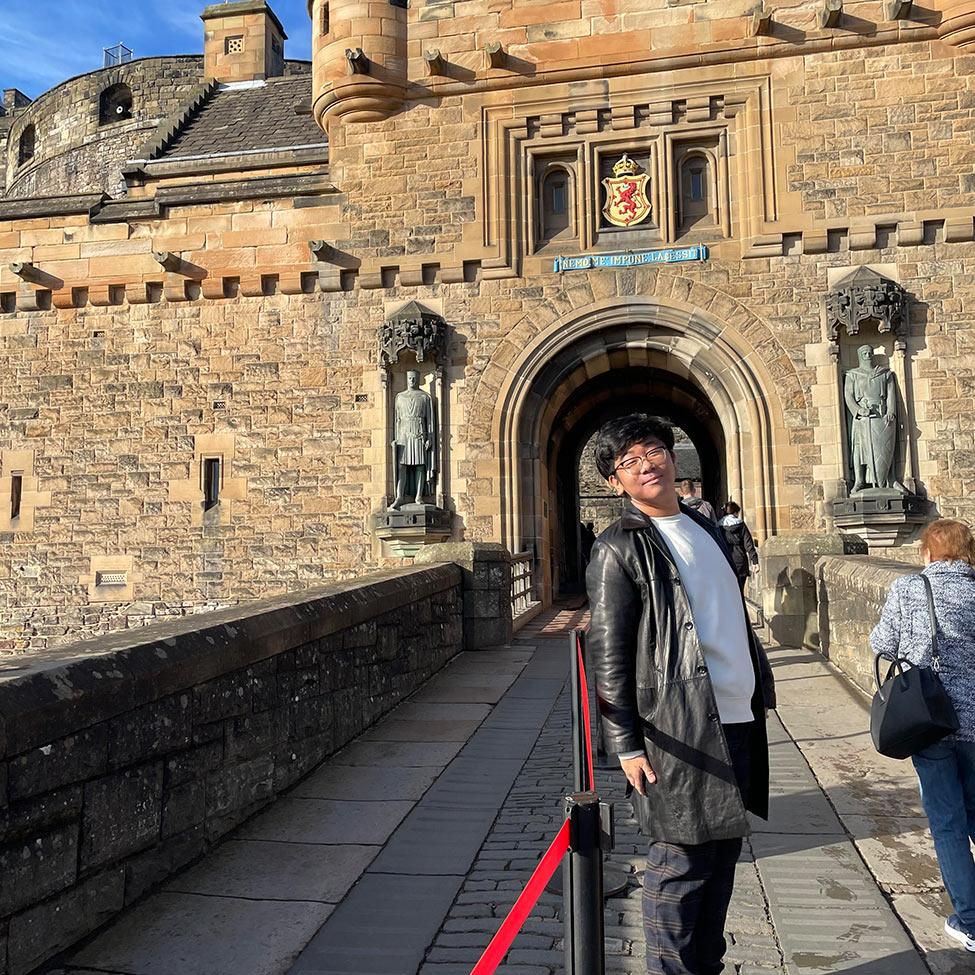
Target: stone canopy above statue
(414,328)
(862,297)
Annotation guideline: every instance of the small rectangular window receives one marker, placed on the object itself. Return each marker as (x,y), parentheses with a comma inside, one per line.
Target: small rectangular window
(16,493)
(211,482)
(233,45)
(324,18)
(697,184)
(558,197)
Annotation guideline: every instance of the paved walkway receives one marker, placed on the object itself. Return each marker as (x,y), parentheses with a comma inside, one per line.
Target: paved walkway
(402,853)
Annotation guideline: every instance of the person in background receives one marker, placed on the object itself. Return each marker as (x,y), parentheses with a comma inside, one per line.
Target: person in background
(740,541)
(689,498)
(946,770)
(587,537)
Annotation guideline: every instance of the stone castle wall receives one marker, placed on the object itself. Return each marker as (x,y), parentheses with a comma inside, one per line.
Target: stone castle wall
(77,154)
(74,153)
(119,399)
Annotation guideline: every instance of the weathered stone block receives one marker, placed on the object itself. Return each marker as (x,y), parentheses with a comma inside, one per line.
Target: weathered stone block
(311,717)
(256,734)
(193,764)
(151,730)
(146,869)
(233,793)
(71,759)
(27,817)
(224,697)
(182,808)
(32,869)
(56,924)
(121,815)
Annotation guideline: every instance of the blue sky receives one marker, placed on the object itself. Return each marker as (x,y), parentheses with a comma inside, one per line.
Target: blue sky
(45,42)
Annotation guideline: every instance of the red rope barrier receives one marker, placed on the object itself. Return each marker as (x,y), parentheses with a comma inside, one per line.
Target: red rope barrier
(511,925)
(584,693)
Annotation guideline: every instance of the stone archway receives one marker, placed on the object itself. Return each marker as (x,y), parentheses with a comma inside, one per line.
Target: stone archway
(676,328)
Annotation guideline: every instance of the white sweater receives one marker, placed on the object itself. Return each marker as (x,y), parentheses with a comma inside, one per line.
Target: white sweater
(719,615)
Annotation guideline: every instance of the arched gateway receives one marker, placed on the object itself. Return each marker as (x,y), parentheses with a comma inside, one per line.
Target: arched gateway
(696,364)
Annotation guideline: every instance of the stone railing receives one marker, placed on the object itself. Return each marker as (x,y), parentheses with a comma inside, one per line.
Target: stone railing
(124,758)
(852,591)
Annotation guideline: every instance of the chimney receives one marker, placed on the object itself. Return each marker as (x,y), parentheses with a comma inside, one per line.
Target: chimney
(13,99)
(242,41)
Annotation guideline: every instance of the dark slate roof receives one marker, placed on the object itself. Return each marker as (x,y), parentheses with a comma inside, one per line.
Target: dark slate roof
(247,119)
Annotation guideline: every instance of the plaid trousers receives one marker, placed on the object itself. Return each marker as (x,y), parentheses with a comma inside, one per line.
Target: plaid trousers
(687,889)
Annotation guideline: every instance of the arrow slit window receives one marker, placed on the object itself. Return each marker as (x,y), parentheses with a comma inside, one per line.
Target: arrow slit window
(211,482)
(16,493)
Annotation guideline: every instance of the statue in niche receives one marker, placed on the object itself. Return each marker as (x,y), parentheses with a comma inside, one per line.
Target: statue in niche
(414,443)
(870,392)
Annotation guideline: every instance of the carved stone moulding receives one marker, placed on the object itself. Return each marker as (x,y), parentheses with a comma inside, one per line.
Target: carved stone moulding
(865,296)
(881,518)
(414,328)
(406,530)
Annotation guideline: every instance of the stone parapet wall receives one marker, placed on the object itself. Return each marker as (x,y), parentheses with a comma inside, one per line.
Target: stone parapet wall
(125,758)
(852,591)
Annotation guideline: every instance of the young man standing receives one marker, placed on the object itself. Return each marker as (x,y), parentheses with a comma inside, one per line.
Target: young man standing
(683,687)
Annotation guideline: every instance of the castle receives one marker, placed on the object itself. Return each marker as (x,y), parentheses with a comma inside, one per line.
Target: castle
(216,271)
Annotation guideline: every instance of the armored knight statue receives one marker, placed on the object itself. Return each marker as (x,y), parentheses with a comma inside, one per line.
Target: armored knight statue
(870,392)
(414,443)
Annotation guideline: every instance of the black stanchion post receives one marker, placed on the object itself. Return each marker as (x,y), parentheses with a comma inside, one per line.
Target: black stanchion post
(583,903)
(580,770)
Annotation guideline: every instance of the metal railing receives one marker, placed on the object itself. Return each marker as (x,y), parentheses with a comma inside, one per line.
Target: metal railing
(521,584)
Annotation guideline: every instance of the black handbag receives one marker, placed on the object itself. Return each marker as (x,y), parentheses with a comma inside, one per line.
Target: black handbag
(911,708)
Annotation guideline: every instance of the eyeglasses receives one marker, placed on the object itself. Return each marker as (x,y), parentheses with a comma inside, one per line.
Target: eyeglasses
(655,456)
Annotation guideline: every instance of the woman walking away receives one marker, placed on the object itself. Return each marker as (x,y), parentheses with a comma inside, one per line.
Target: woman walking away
(739,540)
(946,770)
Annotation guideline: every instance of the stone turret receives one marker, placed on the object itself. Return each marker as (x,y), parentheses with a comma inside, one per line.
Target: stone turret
(360,59)
(243,41)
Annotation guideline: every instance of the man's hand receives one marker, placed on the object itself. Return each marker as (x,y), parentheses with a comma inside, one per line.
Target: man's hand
(635,769)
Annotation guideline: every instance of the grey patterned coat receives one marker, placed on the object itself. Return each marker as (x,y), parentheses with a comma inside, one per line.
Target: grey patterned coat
(903,631)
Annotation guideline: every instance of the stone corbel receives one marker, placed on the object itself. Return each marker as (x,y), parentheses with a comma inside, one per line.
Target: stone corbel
(358,62)
(830,13)
(496,55)
(322,251)
(761,24)
(435,61)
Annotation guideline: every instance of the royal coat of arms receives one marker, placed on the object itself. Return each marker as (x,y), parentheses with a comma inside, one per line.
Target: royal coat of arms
(627,203)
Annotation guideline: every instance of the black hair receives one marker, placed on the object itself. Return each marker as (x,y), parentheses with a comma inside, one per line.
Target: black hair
(731,508)
(616,437)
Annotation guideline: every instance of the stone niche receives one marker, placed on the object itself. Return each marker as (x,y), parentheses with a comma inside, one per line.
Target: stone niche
(412,353)
(879,497)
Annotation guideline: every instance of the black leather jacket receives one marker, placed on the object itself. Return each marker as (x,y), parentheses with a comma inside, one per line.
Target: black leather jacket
(654,689)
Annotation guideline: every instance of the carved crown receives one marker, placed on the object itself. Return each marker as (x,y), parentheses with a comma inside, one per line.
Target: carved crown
(625,167)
